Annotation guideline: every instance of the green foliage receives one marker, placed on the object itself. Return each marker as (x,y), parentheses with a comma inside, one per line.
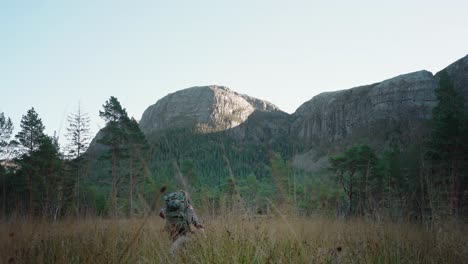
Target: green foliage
(281,171)
(417,181)
(356,171)
(122,170)
(33,181)
(449,138)
(32,131)
(113,111)
(42,173)
(202,158)
(447,152)
(223,173)
(94,200)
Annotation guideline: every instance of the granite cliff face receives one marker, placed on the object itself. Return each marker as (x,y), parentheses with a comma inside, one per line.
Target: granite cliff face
(205,108)
(458,72)
(399,105)
(394,111)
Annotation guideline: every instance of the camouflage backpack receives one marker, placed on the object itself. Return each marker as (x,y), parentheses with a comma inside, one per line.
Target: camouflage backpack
(176,209)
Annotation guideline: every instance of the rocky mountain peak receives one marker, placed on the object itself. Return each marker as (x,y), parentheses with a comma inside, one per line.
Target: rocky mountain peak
(206,108)
(391,111)
(394,111)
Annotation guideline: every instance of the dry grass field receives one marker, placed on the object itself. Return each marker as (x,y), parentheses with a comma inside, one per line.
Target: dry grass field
(233,240)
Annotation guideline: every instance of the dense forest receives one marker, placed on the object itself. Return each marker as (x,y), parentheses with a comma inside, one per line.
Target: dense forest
(123,171)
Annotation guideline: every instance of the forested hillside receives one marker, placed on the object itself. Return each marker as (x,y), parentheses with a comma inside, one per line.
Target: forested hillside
(396,149)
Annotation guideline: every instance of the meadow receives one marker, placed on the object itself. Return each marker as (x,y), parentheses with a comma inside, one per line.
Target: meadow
(230,238)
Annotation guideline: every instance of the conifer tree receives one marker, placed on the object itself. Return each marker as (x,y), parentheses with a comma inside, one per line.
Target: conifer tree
(448,144)
(32,131)
(46,172)
(78,136)
(113,111)
(78,133)
(137,151)
(114,137)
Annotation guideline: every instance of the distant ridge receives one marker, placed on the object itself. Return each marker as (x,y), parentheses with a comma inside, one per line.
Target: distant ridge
(394,111)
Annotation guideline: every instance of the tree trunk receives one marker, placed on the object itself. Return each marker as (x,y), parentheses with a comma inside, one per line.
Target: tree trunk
(114,184)
(4,196)
(350,196)
(455,188)
(131,188)
(31,207)
(77,195)
(295,196)
(421,177)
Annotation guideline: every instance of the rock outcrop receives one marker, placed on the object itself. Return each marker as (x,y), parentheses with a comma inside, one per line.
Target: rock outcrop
(398,103)
(458,72)
(262,127)
(205,108)
(394,111)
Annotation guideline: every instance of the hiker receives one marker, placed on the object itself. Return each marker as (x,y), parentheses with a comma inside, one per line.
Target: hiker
(179,214)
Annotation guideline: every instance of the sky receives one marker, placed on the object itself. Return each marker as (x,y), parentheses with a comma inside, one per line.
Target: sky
(55,55)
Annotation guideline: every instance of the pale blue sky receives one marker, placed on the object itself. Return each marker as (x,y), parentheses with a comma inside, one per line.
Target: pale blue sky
(54,54)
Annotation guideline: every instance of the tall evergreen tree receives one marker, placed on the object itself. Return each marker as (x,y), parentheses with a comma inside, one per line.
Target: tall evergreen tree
(113,111)
(30,138)
(114,137)
(448,144)
(137,151)
(78,133)
(41,170)
(78,136)
(32,131)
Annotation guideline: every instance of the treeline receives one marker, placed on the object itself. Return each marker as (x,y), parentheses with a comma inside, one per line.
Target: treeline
(122,171)
(31,171)
(40,179)
(423,181)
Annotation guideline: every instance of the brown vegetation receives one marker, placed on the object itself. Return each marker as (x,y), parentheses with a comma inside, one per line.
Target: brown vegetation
(231,239)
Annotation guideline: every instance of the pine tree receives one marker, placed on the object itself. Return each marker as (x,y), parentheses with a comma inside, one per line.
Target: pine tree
(78,133)
(48,178)
(114,137)
(448,144)
(78,136)
(30,138)
(137,152)
(113,111)
(32,131)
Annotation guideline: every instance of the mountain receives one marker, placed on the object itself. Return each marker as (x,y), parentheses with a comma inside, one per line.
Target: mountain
(392,112)
(203,108)
(458,73)
(221,145)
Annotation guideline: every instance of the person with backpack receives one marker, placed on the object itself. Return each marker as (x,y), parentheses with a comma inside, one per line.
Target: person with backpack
(179,215)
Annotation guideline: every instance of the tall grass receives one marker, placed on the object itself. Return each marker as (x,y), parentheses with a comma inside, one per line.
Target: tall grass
(232,239)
